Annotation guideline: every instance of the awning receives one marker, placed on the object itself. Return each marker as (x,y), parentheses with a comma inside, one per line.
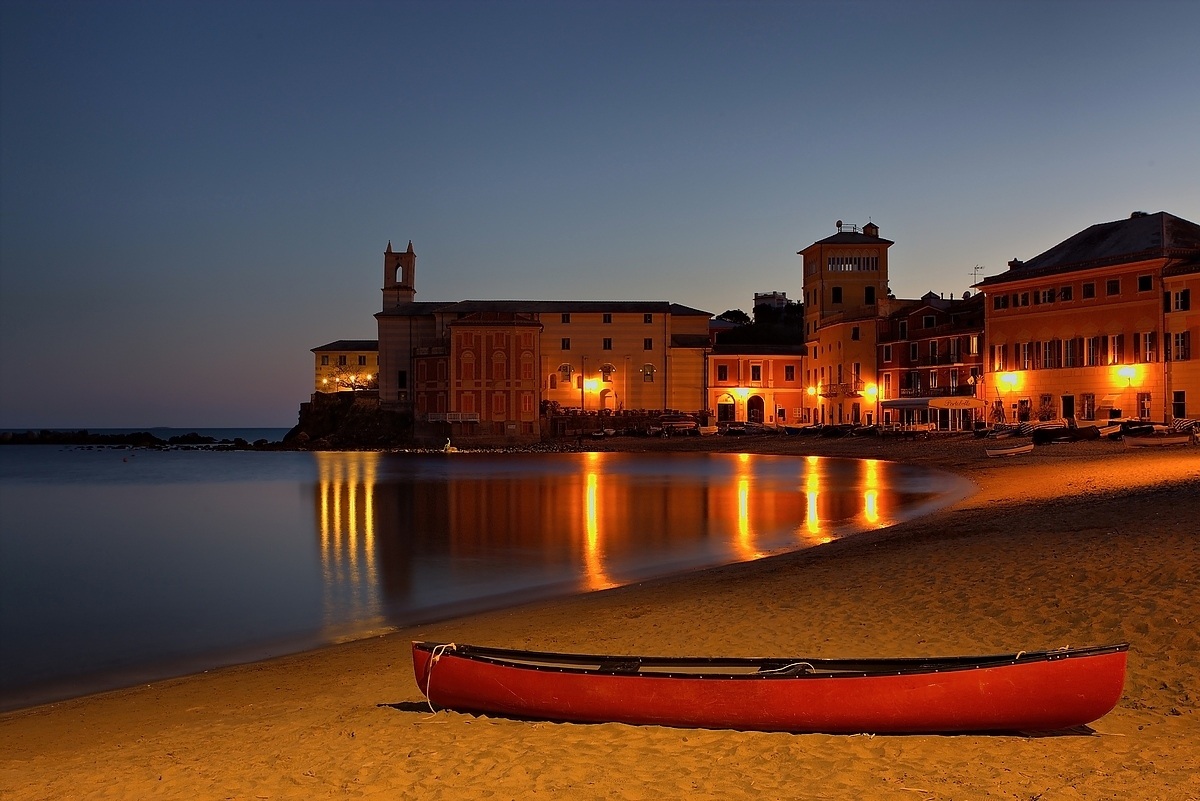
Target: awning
(905,403)
(1109,402)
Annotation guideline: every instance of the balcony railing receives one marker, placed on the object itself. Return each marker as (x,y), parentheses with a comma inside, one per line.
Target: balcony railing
(454,417)
(845,389)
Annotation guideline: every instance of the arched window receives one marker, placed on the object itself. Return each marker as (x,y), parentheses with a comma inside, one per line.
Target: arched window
(606,372)
(565,371)
(499,366)
(648,373)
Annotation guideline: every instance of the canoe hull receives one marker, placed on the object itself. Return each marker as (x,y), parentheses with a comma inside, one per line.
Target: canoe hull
(1036,692)
(1157,441)
(1016,450)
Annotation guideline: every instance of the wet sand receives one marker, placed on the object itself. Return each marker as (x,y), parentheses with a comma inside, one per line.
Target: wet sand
(1073,545)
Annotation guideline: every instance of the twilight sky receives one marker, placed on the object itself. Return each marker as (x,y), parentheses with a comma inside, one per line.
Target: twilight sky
(192,195)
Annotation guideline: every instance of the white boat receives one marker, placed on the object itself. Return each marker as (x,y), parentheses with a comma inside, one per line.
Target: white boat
(1108,431)
(1015,450)
(1152,441)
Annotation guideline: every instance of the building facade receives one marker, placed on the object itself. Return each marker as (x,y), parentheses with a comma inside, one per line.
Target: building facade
(490,367)
(346,365)
(757,384)
(1099,326)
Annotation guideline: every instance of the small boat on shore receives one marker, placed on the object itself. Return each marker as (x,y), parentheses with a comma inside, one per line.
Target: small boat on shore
(1014,450)
(1030,691)
(1157,440)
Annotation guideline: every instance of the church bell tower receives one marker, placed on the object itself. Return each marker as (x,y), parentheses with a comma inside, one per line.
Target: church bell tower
(399,276)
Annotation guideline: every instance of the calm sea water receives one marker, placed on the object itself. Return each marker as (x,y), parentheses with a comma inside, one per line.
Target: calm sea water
(120,566)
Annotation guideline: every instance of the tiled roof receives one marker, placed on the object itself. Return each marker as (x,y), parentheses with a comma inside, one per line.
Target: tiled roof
(350,344)
(850,238)
(1140,237)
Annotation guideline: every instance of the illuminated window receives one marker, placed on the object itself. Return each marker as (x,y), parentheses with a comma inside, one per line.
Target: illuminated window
(1087,406)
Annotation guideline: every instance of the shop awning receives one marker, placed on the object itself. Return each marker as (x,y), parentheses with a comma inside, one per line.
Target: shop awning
(1109,402)
(905,403)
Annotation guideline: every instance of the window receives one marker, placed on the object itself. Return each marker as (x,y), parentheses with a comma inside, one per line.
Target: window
(913,353)
(647,318)
(607,343)
(756,372)
(854,333)
(648,344)
(789,372)
(887,353)
(928,321)
(1183,346)
(1112,286)
(1116,348)
(1000,301)
(362,361)
(1047,354)
(887,385)
(1089,290)
(342,359)
(869,297)
(722,372)
(527,367)
(566,318)
(933,379)
(1065,293)
(606,373)
(1047,296)
(1069,354)
(902,333)
(498,404)
(933,351)
(565,371)
(1143,405)
(1145,347)
(566,343)
(648,373)
(1087,406)
(1179,404)
(527,402)
(324,360)
(836,295)
(1026,355)
(1181,301)
(499,367)
(607,318)
(973,345)
(554,381)
(954,379)
(1145,283)
(1091,352)
(1024,299)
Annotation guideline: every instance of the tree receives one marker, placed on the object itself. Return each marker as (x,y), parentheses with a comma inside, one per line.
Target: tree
(735,316)
(353,377)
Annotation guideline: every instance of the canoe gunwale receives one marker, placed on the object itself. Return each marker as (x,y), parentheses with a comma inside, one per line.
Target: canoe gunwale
(767,668)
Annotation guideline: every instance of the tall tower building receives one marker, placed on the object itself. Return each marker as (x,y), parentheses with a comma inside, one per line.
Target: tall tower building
(845,285)
(399,276)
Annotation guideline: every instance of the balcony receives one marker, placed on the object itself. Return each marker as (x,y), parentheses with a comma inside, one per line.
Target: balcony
(962,390)
(454,417)
(846,389)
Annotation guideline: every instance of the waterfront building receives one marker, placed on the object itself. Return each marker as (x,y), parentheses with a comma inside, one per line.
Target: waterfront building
(930,358)
(1099,326)
(346,365)
(845,292)
(490,367)
(757,383)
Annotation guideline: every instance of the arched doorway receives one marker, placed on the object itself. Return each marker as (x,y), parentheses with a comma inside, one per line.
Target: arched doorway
(608,399)
(726,409)
(755,409)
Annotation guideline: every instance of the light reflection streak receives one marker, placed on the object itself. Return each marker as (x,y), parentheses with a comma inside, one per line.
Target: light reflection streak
(346,506)
(593,560)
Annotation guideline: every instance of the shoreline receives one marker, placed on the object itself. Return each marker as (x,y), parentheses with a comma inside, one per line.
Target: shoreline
(1104,540)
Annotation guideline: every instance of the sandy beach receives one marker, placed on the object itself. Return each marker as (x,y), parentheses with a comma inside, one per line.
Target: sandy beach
(1080,544)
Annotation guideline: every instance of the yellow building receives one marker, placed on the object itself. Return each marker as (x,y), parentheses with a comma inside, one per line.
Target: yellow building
(845,293)
(757,384)
(346,365)
(1098,326)
(589,356)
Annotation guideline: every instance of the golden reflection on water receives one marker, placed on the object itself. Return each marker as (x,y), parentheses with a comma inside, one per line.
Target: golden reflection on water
(587,517)
(346,526)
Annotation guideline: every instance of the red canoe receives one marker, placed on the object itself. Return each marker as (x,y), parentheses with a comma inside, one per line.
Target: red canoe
(1034,691)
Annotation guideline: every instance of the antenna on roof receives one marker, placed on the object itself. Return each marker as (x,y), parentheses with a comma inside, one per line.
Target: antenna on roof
(975,271)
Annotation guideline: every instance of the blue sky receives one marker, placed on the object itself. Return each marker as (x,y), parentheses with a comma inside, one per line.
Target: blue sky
(192,195)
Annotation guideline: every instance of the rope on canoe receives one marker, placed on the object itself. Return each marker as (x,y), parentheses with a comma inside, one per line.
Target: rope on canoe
(789,670)
(434,656)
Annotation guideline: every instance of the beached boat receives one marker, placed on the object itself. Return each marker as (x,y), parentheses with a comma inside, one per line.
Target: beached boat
(1014,450)
(1110,430)
(1153,440)
(1026,691)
